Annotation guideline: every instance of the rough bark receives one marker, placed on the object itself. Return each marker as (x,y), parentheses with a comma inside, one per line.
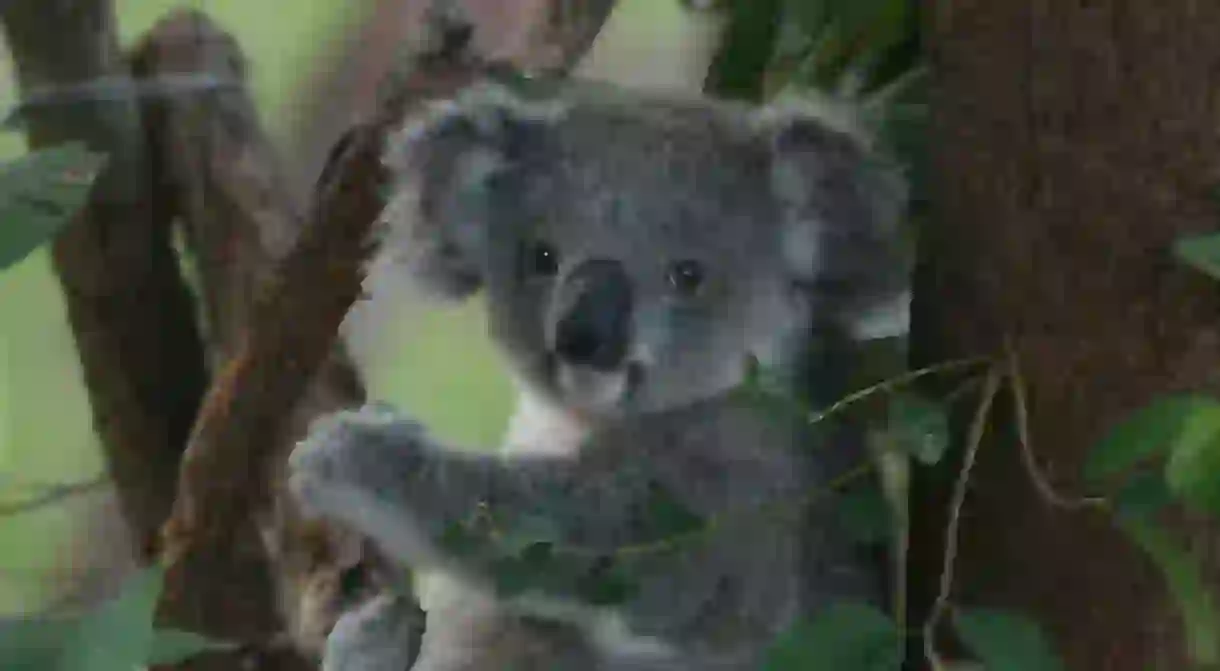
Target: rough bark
(240,220)
(129,309)
(1073,142)
(238,213)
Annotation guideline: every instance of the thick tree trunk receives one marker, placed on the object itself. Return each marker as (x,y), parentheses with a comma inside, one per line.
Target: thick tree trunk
(129,308)
(1074,142)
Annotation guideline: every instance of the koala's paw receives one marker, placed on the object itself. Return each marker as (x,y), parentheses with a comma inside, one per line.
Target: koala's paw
(378,636)
(356,467)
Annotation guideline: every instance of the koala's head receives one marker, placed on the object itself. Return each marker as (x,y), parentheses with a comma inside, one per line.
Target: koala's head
(635,251)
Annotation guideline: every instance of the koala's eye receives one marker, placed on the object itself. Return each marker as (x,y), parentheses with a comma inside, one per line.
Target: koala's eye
(686,277)
(543,259)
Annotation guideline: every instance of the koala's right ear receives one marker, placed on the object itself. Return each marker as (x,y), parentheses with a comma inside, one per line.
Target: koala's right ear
(443,164)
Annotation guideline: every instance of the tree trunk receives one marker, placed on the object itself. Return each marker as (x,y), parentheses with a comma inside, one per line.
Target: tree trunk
(1074,141)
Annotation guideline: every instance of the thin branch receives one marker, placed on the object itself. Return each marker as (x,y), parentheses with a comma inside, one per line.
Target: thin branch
(240,220)
(52,494)
(890,384)
(974,440)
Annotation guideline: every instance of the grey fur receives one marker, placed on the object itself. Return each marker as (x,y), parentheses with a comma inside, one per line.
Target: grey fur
(794,224)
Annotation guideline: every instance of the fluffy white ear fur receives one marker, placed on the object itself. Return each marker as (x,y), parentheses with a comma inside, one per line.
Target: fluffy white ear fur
(848,149)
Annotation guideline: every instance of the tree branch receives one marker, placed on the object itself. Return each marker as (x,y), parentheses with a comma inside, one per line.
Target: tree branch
(128,306)
(240,220)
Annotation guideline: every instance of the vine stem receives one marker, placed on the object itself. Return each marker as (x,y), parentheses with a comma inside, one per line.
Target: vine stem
(892,383)
(978,427)
(1036,475)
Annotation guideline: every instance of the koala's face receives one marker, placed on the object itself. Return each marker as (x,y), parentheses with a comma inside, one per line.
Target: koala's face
(635,253)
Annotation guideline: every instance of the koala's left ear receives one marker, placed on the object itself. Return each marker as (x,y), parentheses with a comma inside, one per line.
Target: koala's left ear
(444,164)
(844,205)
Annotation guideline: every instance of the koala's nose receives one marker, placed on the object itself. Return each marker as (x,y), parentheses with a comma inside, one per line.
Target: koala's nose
(594,327)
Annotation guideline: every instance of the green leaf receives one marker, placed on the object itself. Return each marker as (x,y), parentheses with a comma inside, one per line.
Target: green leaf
(512,576)
(171,646)
(844,637)
(667,516)
(39,193)
(1191,593)
(525,532)
(534,566)
(1201,252)
(749,41)
(1005,641)
(864,512)
(857,36)
(118,635)
(607,583)
(35,643)
(1193,468)
(1144,434)
(879,24)
(1143,494)
(918,426)
(812,15)
(458,539)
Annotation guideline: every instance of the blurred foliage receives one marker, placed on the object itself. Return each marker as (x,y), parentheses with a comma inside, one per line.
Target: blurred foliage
(1166,453)
(45,423)
(117,635)
(39,193)
(1004,641)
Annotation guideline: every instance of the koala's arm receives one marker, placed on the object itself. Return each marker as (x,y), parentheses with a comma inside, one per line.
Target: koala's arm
(380,474)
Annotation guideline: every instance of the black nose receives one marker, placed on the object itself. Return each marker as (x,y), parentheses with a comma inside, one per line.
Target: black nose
(595,327)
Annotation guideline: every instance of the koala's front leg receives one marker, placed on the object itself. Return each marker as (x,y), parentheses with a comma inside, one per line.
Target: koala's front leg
(379,473)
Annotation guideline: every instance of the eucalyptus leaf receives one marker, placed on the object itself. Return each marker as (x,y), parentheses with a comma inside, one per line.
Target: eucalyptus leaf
(1005,641)
(878,24)
(864,513)
(171,646)
(118,635)
(459,540)
(1201,252)
(1144,434)
(844,637)
(526,531)
(512,576)
(1189,590)
(1143,494)
(608,582)
(749,42)
(918,426)
(1193,468)
(667,516)
(36,643)
(39,194)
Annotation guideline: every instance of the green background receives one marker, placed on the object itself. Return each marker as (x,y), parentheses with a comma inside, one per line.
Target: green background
(438,363)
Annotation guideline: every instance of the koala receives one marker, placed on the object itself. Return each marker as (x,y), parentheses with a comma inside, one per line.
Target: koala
(635,252)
